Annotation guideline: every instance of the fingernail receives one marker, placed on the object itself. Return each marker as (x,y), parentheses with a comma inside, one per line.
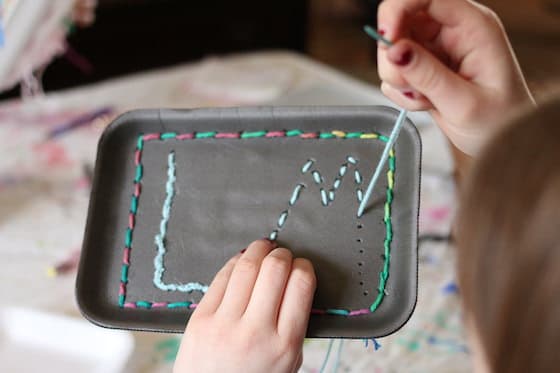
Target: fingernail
(381,32)
(409,94)
(404,58)
(273,243)
(243,251)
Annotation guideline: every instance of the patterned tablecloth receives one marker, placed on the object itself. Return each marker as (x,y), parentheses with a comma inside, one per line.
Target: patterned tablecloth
(44,191)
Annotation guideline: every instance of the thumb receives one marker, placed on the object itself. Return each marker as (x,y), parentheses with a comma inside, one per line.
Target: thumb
(449,93)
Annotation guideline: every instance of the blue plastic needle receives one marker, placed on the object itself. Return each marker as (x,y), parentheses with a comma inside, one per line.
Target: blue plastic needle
(392,139)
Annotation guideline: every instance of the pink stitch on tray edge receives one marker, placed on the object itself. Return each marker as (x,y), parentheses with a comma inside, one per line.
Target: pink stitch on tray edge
(363,311)
(309,135)
(151,136)
(275,134)
(126,256)
(226,135)
(185,136)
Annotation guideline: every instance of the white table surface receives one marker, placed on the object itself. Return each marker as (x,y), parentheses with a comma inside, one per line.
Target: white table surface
(44,197)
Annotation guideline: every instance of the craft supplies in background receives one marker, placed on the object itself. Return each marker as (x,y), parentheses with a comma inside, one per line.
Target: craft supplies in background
(38,227)
(34,33)
(79,121)
(32,341)
(65,266)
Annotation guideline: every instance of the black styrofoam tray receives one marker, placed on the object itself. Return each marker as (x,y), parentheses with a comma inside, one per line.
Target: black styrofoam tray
(237,170)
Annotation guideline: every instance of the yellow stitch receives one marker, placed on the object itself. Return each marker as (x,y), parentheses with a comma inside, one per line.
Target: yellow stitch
(392,153)
(391,178)
(369,136)
(339,133)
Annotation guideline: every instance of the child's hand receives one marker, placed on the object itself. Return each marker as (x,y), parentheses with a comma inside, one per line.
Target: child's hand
(253,317)
(451,57)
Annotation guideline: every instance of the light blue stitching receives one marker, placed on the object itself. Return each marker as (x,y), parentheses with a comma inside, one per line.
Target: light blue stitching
(160,238)
(357,177)
(326,197)
(317,177)
(282,219)
(306,167)
(296,193)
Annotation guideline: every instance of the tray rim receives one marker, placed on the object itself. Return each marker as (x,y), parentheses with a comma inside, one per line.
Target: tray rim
(124,119)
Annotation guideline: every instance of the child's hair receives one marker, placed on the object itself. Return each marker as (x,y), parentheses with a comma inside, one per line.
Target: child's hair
(508,230)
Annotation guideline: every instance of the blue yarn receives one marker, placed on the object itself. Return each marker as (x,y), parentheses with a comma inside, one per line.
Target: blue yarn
(392,139)
(160,238)
(376,345)
(338,354)
(326,359)
(337,358)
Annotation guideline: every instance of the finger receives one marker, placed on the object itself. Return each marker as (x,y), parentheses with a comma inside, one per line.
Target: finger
(243,277)
(298,362)
(387,72)
(448,92)
(423,28)
(408,99)
(394,14)
(298,298)
(269,288)
(213,297)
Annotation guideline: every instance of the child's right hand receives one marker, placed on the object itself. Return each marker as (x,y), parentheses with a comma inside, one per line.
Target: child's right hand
(453,58)
(253,317)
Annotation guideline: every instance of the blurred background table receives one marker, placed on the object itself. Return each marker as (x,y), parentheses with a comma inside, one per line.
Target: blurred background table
(44,183)
(44,190)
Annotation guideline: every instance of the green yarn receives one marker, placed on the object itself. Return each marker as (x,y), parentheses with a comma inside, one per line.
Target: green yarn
(377,302)
(326,135)
(293,133)
(337,312)
(204,135)
(168,135)
(134,204)
(144,304)
(179,305)
(354,135)
(128,237)
(250,135)
(389,196)
(392,163)
(139,172)
(140,143)
(124,273)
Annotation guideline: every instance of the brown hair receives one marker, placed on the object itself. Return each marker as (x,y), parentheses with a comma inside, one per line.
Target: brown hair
(508,232)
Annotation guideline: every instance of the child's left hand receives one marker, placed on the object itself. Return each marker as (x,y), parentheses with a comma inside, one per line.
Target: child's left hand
(253,317)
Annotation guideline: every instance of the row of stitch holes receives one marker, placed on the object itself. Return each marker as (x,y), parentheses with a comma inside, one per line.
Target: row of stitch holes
(361,263)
